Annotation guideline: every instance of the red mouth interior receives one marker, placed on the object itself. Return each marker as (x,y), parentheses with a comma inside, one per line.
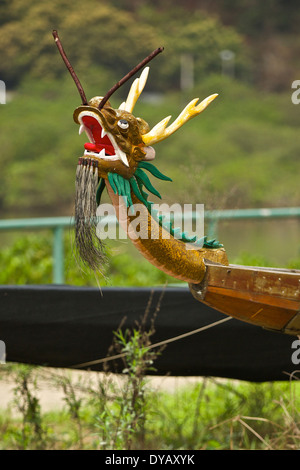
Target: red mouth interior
(100,142)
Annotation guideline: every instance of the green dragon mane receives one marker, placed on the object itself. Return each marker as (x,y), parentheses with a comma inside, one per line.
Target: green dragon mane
(136,184)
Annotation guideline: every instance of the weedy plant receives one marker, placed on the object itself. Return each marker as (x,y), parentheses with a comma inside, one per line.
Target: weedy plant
(124,405)
(31,434)
(74,398)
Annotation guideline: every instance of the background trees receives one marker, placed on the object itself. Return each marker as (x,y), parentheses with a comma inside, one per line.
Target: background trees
(248,139)
(109,37)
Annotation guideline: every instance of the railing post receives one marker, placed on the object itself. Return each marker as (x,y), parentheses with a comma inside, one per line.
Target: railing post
(58,255)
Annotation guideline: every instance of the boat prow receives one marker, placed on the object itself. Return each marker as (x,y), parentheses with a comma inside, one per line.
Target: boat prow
(267,297)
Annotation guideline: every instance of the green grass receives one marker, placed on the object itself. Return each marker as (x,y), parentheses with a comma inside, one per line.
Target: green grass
(211,414)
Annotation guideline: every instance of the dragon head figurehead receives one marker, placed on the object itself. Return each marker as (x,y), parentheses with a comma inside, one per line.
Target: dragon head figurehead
(118,151)
(119,141)
(115,135)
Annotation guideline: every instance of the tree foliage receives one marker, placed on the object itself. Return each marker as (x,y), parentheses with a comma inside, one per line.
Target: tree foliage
(104,40)
(112,37)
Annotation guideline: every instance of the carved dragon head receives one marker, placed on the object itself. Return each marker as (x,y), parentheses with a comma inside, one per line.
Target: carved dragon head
(118,140)
(119,149)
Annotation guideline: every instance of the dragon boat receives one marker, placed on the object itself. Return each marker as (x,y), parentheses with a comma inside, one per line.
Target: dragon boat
(118,155)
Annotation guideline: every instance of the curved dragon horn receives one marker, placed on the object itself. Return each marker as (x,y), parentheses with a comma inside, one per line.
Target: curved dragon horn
(135,91)
(161,131)
(69,67)
(129,75)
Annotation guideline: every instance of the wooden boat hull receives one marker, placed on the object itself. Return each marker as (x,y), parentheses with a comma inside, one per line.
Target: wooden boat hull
(267,297)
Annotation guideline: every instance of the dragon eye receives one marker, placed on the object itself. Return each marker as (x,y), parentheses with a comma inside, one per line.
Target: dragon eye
(123,124)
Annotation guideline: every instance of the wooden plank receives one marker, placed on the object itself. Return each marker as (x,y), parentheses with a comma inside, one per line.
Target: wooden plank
(284,284)
(262,296)
(261,314)
(255,297)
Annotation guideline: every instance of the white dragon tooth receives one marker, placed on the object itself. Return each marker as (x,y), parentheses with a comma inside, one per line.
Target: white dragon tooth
(122,156)
(81,129)
(103,133)
(122,106)
(89,134)
(102,153)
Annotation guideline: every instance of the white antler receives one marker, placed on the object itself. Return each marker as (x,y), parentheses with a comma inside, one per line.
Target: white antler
(161,131)
(135,91)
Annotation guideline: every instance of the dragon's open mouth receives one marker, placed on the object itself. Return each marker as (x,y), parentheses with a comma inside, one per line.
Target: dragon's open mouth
(101,143)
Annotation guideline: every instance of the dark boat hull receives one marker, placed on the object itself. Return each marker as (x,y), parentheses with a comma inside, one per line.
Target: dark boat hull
(267,297)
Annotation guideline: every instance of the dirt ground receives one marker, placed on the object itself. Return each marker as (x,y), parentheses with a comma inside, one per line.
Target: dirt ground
(52,399)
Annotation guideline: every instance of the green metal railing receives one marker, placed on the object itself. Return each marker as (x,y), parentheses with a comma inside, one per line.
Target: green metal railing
(238,214)
(59,224)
